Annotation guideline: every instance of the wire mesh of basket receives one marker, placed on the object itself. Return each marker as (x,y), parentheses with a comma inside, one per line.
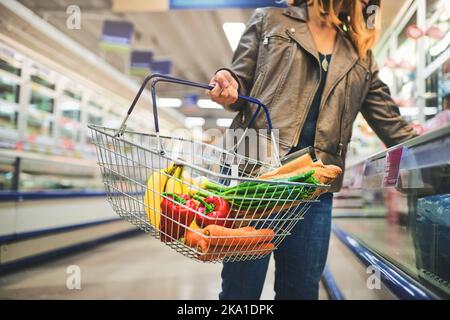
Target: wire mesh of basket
(203,201)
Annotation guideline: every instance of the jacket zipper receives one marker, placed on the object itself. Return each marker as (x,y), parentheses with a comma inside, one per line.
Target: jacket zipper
(283,77)
(346,103)
(279,36)
(344,108)
(324,99)
(301,122)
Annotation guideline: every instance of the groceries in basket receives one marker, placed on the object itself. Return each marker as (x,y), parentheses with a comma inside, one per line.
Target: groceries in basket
(214,219)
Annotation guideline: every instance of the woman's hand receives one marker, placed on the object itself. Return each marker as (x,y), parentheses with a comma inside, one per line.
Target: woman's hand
(225,90)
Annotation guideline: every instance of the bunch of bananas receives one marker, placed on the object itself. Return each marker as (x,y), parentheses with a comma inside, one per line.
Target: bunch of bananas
(167,180)
(173,179)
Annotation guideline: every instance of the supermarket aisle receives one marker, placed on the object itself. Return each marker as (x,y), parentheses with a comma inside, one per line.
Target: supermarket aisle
(133,268)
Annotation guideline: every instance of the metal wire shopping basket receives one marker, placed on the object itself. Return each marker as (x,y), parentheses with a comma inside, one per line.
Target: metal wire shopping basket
(201,200)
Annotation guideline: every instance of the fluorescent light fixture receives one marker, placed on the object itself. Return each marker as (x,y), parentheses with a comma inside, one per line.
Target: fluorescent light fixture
(440,46)
(233,31)
(169,102)
(112,123)
(412,111)
(7,109)
(409,111)
(192,122)
(68,105)
(429,111)
(208,104)
(224,122)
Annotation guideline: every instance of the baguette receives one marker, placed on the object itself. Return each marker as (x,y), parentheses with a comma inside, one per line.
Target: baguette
(303,161)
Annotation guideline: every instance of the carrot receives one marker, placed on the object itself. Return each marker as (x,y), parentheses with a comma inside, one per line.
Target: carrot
(289,167)
(210,253)
(218,235)
(193,237)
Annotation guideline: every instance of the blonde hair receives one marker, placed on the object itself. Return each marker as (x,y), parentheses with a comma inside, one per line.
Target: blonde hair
(348,16)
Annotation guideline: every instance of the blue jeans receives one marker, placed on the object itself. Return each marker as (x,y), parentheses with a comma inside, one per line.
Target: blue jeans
(299,261)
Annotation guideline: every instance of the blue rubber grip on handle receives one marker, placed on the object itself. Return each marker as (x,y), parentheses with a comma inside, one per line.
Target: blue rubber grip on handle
(165,78)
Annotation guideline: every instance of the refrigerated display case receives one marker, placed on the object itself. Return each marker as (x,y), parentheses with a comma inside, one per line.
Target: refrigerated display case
(403,208)
(10,71)
(45,111)
(69,120)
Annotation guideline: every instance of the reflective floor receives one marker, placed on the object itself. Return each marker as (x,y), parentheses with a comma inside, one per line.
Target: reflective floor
(133,268)
(393,240)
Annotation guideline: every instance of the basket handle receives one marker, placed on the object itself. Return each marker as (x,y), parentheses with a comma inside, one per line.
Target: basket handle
(165,78)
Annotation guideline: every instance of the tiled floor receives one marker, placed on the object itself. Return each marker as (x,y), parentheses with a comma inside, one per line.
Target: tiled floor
(134,268)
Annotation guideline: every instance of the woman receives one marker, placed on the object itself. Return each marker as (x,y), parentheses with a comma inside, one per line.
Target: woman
(312,65)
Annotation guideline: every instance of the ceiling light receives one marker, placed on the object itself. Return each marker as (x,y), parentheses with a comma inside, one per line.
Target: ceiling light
(224,122)
(111,123)
(192,122)
(409,111)
(233,31)
(169,102)
(68,105)
(6,109)
(208,104)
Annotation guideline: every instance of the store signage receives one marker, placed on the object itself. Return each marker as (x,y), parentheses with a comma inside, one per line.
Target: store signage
(140,5)
(161,66)
(141,62)
(217,4)
(190,100)
(163,5)
(116,35)
(392,166)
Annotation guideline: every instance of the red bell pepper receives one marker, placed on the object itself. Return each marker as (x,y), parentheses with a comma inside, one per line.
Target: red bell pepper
(176,208)
(215,210)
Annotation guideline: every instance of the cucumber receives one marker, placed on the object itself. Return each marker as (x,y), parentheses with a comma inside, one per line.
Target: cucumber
(262,196)
(251,186)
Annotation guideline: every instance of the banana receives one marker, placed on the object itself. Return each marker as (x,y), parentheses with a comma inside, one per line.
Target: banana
(155,186)
(174,185)
(186,183)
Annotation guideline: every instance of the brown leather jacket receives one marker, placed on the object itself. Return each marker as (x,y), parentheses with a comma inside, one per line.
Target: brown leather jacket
(277,62)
